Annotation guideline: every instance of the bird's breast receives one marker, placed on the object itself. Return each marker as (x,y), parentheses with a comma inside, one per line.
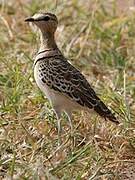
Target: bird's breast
(43,86)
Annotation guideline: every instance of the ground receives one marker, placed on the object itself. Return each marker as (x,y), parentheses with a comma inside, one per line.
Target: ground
(98,37)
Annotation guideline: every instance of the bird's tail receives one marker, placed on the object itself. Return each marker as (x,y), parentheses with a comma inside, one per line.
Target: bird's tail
(103,111)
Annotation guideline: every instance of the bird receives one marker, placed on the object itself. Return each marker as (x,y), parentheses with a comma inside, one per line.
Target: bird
(63,84)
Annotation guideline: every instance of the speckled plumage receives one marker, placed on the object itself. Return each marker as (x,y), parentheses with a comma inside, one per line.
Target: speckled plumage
(64,85)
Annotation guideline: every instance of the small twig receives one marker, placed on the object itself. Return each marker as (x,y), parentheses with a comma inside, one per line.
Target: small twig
(124,85)
(61,146)
(8,27)
(32,141)
(126,103)
(56,4)
(120,161)
(13,166)
(76,37)
(71,160)
(95,174)
(87,35)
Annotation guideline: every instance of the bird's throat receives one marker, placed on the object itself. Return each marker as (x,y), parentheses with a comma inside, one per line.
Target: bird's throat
(47,41)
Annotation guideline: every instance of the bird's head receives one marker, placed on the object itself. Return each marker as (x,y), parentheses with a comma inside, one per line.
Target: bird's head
(47,22)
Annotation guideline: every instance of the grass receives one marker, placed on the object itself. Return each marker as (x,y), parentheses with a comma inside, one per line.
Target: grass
(100,41)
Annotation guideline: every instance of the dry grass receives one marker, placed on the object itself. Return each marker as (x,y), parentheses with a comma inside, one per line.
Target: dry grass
(100,41)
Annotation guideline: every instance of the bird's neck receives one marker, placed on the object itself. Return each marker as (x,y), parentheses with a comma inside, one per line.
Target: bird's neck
(47,41)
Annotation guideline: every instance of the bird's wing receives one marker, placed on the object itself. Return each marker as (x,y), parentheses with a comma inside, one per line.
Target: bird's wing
(61,76)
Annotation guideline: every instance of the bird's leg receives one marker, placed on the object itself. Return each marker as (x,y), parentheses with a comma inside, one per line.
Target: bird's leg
(69,114)
(58,116)
(70,122)
(59,130)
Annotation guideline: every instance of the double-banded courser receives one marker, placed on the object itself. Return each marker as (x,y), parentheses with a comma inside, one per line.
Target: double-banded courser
(63,84)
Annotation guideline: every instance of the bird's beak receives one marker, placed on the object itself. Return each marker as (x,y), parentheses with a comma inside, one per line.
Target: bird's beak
(29,19)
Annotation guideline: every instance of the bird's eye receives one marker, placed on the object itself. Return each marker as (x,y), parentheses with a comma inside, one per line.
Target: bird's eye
(46,18)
